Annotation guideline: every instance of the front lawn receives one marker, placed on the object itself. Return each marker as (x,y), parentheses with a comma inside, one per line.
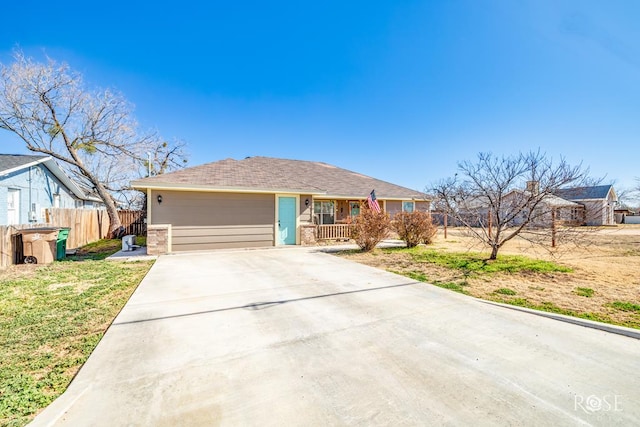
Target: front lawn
(597,281)
(51,319)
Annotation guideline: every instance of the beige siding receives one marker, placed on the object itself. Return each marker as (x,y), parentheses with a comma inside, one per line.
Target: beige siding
(306,212)
(193,208)
(393,207)
(422,206)
(202,221)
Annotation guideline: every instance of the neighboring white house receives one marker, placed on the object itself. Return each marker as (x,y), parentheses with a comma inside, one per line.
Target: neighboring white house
(599,202)
(29,184)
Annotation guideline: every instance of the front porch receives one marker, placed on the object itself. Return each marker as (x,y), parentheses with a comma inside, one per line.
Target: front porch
(332,218)
(333,232)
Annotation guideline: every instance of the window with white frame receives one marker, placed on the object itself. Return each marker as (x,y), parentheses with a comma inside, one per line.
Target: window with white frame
(408,206)
(324,212)
(355,208)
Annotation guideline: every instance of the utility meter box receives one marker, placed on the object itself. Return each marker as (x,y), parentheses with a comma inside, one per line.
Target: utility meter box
(128,242)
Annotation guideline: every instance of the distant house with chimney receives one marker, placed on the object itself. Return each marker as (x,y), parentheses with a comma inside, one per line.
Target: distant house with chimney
(575,206)
(599,202)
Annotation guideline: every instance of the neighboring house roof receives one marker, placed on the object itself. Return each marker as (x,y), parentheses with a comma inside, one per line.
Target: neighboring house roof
(559,202)
(10,163)
(14,162)
(548,199)
(586,193)
(267,174)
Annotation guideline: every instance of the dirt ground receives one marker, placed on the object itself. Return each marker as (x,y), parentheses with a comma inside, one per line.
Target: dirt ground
(605,260)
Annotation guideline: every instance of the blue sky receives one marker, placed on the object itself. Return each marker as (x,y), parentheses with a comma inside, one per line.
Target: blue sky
(400,90)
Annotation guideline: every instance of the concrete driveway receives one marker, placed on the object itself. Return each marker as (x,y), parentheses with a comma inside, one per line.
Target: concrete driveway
(299,337)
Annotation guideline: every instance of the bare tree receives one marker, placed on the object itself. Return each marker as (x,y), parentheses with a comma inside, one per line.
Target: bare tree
(498,198)
(163,157)
(92,133)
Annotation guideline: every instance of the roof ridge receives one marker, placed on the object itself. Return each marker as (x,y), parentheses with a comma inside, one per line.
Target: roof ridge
(273,173)
(326,164)
(24,155)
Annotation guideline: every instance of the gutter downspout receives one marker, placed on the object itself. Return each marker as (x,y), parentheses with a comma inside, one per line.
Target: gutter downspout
(30,201)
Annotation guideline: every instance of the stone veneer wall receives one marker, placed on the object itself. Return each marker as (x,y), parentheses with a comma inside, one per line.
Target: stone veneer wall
(308,235)
(158,239)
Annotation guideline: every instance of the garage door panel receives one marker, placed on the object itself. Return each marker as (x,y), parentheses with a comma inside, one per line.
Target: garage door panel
(225,245)
(222,239)
(205,238)
(224,231)
(210,220)
(247,237)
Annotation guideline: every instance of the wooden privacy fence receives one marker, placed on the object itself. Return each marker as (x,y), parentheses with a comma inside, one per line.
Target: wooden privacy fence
(133,222)
(86,226)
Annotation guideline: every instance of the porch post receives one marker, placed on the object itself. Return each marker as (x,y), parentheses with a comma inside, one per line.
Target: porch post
(553,227)
(445,225)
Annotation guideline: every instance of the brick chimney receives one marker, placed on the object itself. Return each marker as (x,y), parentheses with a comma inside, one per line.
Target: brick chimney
(533,187)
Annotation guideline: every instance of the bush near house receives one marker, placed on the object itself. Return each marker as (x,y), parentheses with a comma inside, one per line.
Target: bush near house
(414,227)
(369,228)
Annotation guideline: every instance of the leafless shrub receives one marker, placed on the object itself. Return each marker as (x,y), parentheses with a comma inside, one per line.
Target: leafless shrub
(370,228)
(414,227)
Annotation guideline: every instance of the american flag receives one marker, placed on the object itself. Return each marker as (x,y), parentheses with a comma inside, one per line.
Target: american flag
(373,202)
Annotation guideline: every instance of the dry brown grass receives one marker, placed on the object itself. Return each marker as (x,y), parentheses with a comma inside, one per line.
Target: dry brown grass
(606,260)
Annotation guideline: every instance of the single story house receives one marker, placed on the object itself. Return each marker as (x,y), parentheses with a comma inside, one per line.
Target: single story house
(29,184)
(599,202)
(260,201)
(573,206)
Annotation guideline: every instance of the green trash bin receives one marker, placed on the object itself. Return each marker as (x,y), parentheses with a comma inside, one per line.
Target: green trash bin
(61,243)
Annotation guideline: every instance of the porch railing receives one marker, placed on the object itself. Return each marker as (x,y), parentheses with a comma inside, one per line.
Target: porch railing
(333,231)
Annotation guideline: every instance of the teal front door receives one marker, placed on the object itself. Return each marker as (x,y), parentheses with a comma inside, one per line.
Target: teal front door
(286,225)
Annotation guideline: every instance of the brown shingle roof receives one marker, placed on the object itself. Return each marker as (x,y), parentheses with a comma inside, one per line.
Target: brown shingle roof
(271,174)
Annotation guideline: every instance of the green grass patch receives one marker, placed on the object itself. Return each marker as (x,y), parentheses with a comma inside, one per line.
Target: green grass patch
(97,250)
(415,275)
(584,292)
(421,277)
(626,306)
(51,319)
(454,286)
(475,262)
(552,308)
(505,291)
